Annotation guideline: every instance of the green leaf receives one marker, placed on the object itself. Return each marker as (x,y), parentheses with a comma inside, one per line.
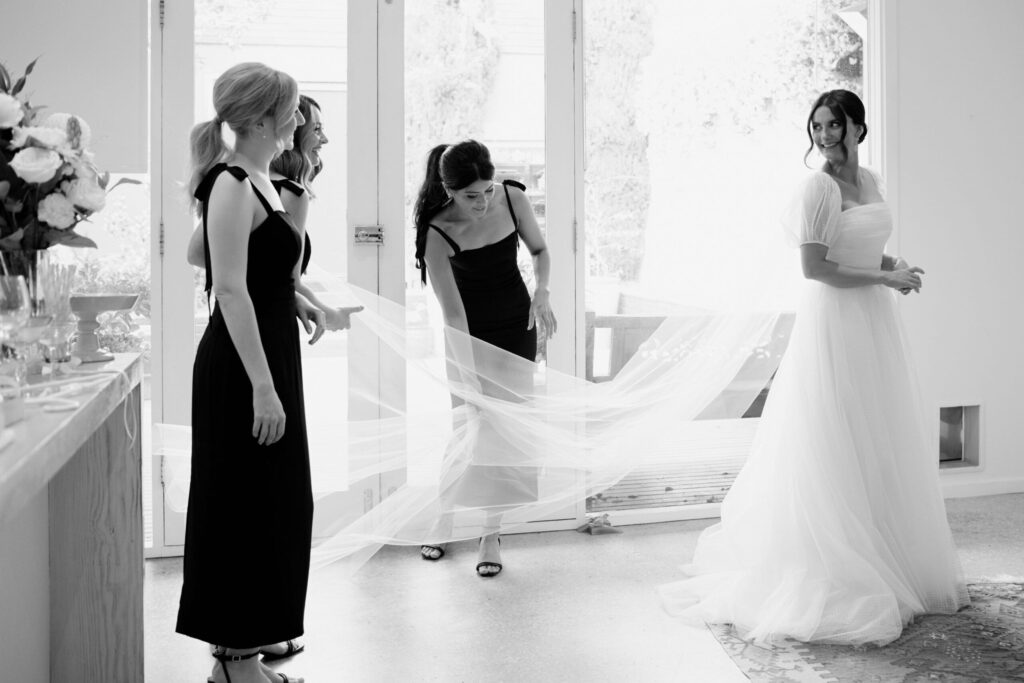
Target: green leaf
(104,179)
(50,185)
(122,181)
(5,79)
(69,238)
(12,241)
(21,81)
(30,113)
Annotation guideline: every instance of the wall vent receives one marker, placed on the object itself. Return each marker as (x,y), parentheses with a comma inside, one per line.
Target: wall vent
(959,437)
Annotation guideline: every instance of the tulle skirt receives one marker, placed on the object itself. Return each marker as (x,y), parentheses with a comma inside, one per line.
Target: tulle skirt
(835,530)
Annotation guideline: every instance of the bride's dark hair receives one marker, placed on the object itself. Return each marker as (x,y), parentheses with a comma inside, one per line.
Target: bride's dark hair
(842,104)
(449,167)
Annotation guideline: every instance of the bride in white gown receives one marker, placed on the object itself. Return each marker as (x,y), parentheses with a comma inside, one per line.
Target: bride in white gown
(835,530)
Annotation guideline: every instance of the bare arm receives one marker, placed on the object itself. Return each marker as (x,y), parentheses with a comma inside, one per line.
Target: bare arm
(309,305)
(540,307)
(817,267)
(194,254)
(442,280)
(229,222)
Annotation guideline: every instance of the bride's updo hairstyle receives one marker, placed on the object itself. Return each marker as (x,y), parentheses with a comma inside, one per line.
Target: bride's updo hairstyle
(449,168)
(842,104)
(242,97)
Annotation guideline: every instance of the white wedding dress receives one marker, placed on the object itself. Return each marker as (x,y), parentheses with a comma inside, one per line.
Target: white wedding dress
(835,530)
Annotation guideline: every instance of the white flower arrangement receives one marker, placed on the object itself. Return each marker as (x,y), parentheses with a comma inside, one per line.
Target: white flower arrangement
(48,181)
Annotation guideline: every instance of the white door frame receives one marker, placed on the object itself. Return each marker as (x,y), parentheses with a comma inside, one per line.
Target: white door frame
(879,78)
(563,165)
(369,202)
(171,114)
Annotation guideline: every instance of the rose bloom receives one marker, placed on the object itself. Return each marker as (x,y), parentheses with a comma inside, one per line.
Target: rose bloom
(85,193)
(11,112)
(56,211)
(45,137)
(35,165)
(74,127)
(81,166)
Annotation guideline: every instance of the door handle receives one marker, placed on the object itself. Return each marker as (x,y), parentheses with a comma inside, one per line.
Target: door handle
(369,234)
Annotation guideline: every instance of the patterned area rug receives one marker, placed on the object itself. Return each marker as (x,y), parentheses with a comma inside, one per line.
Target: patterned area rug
(983,643)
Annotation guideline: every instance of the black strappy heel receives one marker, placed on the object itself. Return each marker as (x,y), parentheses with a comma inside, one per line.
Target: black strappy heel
(488,565)
(426,547)
(291,649)
(223,657)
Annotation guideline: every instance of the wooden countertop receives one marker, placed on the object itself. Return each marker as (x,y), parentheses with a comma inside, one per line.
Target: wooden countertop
(44,442)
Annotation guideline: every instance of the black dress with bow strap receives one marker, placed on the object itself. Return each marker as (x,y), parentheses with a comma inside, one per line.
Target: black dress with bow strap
(250,507)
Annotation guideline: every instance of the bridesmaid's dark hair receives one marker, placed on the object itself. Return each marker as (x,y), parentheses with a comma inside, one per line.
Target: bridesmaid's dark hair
(295,164)
(449,167)
(842,104)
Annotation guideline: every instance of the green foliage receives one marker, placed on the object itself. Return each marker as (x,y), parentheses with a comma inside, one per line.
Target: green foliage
(617,179)
(688,75)
(450,57)
(22,226)
(229,20)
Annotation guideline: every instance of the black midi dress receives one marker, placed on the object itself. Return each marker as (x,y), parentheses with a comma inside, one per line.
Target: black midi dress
(281,184)
(250,508)
(497,305)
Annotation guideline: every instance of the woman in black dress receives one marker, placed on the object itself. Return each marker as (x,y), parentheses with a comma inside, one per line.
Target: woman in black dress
(292,173)
(250,509)
(467,235)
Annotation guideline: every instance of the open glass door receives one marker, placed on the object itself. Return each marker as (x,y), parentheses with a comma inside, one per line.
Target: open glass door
(315,41)
(393,78)
(482,69)
(694,140)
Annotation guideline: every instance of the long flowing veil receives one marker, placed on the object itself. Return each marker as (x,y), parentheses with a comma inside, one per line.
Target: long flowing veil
(481,439)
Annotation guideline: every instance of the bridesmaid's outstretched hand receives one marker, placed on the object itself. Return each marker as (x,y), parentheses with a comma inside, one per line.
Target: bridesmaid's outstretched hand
(341,318)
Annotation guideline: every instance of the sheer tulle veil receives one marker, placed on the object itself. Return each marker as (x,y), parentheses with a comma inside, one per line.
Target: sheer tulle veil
(434,407)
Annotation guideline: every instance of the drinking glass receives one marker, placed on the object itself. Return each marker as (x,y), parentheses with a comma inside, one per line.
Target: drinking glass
(15,306)
(15,309)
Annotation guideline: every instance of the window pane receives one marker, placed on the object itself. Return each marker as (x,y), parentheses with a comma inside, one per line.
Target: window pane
(473,69)
(694,142)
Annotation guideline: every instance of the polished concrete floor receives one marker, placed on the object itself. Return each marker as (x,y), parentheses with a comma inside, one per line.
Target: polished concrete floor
(568,607)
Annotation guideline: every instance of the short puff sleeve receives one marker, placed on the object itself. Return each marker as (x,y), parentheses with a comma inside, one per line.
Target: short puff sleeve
(812,216)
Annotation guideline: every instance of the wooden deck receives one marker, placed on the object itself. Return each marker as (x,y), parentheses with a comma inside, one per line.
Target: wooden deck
(720,447)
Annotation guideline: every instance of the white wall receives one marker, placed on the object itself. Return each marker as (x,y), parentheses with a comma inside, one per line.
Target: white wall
(954,146)
(92,63)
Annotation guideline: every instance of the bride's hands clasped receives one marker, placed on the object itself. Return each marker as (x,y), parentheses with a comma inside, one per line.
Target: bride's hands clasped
(541,315)
(904,277)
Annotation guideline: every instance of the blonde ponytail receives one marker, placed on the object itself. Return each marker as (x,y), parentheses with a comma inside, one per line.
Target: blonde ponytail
(242,97)
(208,149)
